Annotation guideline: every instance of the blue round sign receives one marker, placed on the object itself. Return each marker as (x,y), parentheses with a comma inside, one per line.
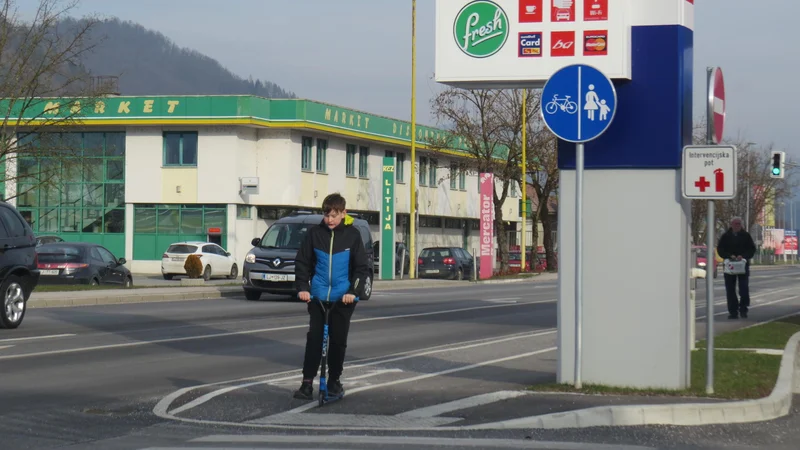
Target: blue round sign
(578,103)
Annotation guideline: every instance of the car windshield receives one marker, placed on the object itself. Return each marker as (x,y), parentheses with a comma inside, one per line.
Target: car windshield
(59,254)
(285,235)
(182,249)
(434,252)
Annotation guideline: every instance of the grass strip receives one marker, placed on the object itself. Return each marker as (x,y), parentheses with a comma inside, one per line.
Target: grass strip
(738,374)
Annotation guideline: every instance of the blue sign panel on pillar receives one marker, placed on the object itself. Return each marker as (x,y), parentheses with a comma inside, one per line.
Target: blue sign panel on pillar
(578,103)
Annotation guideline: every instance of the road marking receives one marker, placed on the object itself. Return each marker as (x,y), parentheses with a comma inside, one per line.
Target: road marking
(258,331)
(431,375)
(754,307)
(363,420)
(464,403)
(5,346)
(34,338)
(407,441)
(703,303)
(503,300)
(163,405)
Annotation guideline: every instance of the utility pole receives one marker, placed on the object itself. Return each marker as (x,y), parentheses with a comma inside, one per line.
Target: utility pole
(412,222)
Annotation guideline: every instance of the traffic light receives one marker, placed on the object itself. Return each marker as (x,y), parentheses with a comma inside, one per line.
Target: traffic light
(778,159)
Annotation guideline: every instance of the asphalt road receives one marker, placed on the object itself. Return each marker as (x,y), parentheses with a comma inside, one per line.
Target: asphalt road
(203,374)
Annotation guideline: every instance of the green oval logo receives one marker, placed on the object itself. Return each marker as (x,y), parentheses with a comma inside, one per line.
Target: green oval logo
(481,28)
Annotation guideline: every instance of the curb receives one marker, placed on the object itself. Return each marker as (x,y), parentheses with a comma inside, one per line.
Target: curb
(90,299)
(512,280)
(115,297)
(777,404)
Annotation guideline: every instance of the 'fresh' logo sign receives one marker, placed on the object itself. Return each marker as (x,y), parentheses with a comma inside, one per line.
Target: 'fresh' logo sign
(481,28)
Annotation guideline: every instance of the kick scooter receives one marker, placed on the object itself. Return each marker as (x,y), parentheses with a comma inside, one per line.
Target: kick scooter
(323,382)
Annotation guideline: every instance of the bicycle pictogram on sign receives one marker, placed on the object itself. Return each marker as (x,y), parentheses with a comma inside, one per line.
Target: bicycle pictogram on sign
(564,104)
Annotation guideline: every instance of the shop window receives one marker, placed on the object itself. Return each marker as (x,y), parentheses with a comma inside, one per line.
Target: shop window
(180,149)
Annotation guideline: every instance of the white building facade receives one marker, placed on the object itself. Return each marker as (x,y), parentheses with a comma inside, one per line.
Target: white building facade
(157,170)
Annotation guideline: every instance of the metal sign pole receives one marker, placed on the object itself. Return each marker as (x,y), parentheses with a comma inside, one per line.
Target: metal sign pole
(711,254)
(578,261)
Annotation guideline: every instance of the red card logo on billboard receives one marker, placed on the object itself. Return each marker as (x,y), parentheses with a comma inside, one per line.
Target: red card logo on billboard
(595,10)
(562,43)
(562,10)
(595,43)
(530,11)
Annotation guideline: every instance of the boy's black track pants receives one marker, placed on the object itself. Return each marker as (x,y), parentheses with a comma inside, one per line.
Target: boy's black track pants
(339,326)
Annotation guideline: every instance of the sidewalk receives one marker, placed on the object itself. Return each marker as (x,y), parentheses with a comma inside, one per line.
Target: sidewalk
(173,293)
(544,410)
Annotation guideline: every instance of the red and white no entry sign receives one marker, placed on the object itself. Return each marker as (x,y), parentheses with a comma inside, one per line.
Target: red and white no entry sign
(716,104)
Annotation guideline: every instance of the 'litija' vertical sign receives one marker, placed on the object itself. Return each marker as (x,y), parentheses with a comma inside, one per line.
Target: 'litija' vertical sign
(487,224)
(387,268)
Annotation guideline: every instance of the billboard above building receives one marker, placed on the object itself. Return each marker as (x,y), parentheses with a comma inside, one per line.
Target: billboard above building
(521,43)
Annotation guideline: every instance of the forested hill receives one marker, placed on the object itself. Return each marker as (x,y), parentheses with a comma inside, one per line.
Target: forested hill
(147,62)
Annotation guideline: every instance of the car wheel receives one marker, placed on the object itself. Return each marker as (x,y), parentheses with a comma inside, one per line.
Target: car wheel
(367,292)
(460,274)
(251,294)
(167,276)
(14,302)
(207,273)
(128,282)
(94,282)
(234,272)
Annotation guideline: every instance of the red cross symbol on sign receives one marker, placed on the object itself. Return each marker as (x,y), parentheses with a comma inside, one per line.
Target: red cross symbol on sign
(702,184)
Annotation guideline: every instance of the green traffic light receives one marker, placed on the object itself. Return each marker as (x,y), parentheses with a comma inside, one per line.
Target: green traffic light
(776,171)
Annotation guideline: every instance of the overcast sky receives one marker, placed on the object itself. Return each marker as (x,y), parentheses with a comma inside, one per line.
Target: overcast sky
(357,53)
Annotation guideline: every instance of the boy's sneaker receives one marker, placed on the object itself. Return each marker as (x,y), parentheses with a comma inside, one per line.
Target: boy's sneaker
(335,389)
(306,391)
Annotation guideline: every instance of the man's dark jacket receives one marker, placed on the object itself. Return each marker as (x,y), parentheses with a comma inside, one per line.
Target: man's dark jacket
(739,244)
(332,263)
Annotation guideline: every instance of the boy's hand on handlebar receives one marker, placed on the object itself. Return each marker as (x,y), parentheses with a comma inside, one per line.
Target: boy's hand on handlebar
(348,298)
(304,296)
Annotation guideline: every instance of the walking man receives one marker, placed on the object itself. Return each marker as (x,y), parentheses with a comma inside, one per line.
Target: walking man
(736,244)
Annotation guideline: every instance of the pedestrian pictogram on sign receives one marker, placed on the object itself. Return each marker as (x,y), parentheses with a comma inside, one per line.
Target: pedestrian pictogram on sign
(709,172)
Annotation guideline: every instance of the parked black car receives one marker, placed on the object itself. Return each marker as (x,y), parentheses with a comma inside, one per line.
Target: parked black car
(18,273)
(269,265)
(445,262)
(81,263)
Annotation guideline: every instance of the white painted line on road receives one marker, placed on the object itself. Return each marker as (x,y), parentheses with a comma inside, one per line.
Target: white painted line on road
(259,331)
(211,395)
(702,304)
(5,346)
(756,306)
(34,338)
(166,402)
(371,374)
(407,442)
(464,403)
(503,300)
(431,375)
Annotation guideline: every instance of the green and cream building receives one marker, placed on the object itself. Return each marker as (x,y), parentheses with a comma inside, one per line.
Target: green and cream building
(161,169)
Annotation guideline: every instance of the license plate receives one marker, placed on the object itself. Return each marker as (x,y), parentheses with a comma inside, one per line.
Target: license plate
(49,272)
(277,277)
(432,271)
(177,258)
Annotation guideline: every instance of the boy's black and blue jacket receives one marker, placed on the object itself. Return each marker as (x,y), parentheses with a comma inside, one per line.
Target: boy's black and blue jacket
(332,263)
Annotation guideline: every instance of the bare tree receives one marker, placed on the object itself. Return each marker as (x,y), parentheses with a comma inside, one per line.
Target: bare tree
(542,172)
(755,187)
(483,124)
(44,89)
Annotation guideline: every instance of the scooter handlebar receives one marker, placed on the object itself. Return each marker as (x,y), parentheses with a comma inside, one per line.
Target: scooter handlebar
(327,301)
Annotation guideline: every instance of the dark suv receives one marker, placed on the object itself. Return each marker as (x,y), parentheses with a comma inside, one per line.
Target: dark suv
(18,272)
(269,265)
